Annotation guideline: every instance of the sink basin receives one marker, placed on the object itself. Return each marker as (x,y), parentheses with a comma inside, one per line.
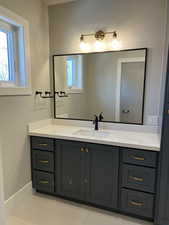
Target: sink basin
(92,133)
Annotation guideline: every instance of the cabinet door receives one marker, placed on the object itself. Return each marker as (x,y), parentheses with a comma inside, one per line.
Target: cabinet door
(70,169)
(102,175)
(162,203)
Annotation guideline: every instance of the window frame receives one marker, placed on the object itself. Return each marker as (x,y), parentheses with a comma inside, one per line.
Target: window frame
(22,62)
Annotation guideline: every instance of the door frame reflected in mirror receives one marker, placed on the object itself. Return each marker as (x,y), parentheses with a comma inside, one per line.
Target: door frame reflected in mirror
(103,52)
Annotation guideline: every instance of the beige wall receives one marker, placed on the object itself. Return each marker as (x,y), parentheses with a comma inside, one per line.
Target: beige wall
(102,82)
(139,23)
(17,112)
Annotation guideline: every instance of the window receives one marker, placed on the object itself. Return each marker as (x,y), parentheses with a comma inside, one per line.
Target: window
(74,71)
(6,56)
(71,72)
(14,54)
(4,65)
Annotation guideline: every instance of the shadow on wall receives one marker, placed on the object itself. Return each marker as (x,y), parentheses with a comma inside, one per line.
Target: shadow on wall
(2,208)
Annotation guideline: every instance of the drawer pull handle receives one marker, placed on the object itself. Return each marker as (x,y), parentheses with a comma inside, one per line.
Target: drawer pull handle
(140,204)
(82,149)
(137,178)
(43,145)
(44,182)
(137,158)
(44,162)
(87,150)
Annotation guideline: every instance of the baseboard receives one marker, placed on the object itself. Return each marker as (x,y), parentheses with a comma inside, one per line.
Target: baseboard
(12,201)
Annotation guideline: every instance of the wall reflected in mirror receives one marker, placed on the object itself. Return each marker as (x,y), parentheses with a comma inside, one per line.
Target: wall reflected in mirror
(108,82)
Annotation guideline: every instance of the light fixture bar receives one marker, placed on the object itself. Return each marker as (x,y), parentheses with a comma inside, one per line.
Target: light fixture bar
(100,36)
(93,34)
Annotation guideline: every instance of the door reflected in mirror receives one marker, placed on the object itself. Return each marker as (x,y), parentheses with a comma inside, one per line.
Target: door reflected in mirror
(108,82)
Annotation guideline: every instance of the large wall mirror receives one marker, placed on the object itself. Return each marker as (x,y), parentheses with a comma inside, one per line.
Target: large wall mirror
(109,82)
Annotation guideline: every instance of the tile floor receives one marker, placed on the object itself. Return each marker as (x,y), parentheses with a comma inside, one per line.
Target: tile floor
(39,209)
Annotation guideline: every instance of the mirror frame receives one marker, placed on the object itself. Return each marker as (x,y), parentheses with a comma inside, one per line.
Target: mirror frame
(80,53)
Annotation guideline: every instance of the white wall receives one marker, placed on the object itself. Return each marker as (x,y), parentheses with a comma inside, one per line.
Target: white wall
(16,112)
(2,205)
(139,23)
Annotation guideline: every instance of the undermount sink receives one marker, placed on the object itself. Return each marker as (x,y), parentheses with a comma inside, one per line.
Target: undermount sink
(92,133)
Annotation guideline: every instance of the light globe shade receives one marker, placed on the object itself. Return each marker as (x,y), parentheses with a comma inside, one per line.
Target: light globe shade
(116,44)
(99,45)
(85,47)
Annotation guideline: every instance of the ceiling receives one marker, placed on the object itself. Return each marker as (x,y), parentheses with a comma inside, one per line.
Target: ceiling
(54,2)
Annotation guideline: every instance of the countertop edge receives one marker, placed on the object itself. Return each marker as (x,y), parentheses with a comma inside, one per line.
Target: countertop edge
(96,141)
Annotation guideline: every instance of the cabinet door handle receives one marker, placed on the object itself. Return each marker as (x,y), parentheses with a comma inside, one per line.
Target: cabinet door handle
(44,161)
(137,178)
(44,145)
(43,182)
(82,149)
(137,158)
(87,150)
(139,204)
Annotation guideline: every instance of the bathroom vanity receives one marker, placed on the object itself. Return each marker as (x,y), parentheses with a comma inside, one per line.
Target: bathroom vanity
(106,169)
(115,168)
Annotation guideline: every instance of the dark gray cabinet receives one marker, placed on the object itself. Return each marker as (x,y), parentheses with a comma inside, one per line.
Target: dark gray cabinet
(162,203)
(42,160)
(85,170)
(105,176)
(138,157)
(138,172)
(43,181)
(137,203)
(42,143)
(102,175)
(138,178)
(70,169)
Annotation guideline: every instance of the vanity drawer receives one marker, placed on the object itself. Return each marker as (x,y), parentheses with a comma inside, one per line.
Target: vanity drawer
(137,203)
(42,143)
(137,157)
(139,178)
(43,181)
(43,160)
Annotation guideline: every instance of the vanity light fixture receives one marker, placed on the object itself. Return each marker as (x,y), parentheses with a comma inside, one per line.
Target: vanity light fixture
(100,44)
(116,44)
(83,45)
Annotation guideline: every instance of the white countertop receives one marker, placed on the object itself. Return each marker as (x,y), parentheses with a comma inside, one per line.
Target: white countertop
(123,138)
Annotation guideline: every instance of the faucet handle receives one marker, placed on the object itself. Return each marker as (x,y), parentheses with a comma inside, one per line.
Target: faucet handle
(101,117)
